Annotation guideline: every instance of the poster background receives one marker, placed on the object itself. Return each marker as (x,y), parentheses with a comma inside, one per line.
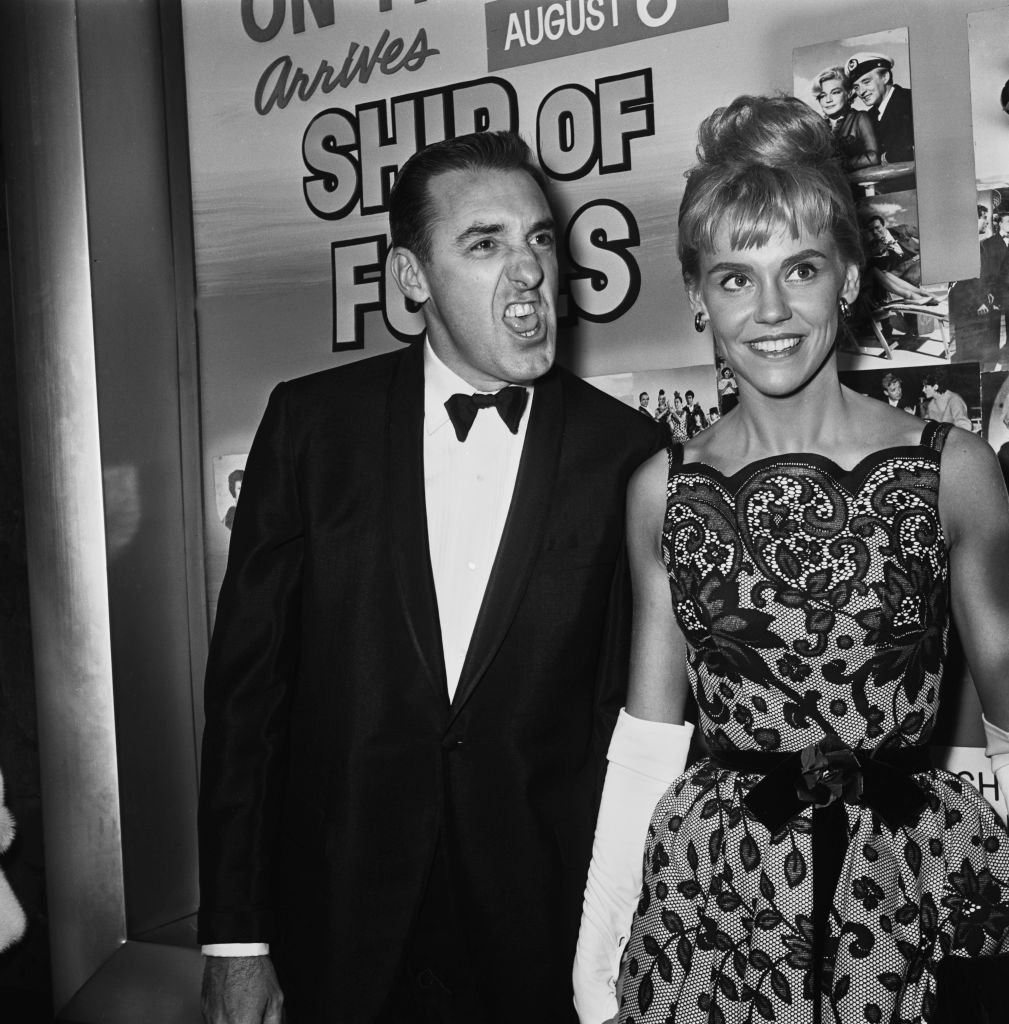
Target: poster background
(989,71)
(264,289)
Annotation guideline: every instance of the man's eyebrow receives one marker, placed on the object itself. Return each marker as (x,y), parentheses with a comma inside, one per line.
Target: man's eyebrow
(478,230)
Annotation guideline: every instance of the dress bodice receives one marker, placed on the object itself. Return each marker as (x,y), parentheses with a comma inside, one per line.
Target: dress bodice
(813,599)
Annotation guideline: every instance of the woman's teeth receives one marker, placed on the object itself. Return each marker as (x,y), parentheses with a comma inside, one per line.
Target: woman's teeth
(773,345)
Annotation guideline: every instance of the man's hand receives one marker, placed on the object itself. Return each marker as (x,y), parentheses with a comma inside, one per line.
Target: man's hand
(241,990)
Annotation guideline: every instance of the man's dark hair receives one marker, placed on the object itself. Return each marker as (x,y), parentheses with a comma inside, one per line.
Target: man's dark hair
(873,218)
(936,380)
(410,206)
(233,478)
(686,393)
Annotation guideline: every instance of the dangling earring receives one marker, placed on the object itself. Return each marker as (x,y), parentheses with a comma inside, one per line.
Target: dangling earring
(699,323)
(842,305)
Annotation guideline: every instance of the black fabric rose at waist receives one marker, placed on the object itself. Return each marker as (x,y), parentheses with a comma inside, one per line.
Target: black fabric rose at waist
(827,775)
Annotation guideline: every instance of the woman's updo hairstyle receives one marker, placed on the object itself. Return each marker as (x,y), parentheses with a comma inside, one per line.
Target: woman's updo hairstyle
(766,164)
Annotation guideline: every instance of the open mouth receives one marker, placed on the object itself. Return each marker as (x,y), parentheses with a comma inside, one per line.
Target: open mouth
(522,318)
(776,346)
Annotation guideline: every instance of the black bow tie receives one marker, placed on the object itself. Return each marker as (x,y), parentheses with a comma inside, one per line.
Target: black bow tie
(510,403)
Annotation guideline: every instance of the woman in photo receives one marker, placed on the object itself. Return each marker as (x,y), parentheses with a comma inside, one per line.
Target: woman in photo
(728,390)
(678,419)
(853,129)
(795,569)
(941,404)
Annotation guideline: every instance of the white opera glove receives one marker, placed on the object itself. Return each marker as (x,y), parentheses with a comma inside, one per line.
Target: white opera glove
(997,749)
(12,917)
(644,759)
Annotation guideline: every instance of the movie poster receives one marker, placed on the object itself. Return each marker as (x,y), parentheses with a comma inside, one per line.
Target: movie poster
(300,114)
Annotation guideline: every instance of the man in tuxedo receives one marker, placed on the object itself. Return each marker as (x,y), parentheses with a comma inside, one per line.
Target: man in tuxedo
(975,308)
(995,279)
(420,643)
(871,76)
(893,388)
(696,420)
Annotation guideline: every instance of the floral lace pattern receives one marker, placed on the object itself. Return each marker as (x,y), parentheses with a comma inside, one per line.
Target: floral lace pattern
(814,603)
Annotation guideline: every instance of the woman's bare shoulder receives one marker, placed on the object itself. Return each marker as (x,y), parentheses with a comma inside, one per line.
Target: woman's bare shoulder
(876,425)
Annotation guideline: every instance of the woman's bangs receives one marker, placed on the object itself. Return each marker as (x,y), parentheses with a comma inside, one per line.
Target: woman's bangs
(772,205)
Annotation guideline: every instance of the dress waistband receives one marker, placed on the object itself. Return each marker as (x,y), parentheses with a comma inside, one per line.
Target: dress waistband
(827,775)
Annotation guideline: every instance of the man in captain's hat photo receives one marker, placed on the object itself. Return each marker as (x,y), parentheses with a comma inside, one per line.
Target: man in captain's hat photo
(871,76)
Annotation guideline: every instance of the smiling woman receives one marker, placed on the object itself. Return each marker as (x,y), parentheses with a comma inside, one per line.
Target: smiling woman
(795,567)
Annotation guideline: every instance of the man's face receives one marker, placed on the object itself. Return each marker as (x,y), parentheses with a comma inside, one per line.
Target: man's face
(643,399)
(873,86)
(489,286)
(894,390)
(929,390)
(1003,227)
(982,223)
(689,396)
(878,230)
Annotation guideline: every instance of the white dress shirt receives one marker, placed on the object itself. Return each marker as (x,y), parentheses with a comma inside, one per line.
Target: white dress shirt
(468,489)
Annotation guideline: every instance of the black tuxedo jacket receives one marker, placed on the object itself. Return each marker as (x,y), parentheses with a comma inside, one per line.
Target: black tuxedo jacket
(995,269)
(895,129)
(333,761)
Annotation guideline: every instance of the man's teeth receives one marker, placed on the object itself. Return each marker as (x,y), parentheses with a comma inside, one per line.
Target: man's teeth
(775,344)
(520,309)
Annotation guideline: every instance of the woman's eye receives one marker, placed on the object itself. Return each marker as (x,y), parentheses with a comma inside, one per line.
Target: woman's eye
(803,272)
(734,282)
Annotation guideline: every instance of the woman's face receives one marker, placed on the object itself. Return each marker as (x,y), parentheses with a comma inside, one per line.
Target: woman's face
(678,403)
(834,98)
(774,307)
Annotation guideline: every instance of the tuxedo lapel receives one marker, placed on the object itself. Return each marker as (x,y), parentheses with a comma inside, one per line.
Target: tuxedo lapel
(522,535)
(407,512)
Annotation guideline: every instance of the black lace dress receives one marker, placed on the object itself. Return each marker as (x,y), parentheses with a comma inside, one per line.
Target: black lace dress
(814,602)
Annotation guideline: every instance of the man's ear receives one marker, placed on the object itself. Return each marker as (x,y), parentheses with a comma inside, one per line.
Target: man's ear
(408,272)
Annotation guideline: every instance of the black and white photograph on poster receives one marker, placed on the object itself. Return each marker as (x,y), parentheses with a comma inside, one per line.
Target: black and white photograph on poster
(979,307)
(684,398)
(862,86)
(894,310)
(995,416)
(949,394)
(987,32)
(228,473)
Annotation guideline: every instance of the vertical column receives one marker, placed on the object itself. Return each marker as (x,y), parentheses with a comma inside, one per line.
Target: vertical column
(51,283)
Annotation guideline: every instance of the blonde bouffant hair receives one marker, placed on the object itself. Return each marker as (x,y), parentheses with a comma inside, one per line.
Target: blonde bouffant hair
(766,164)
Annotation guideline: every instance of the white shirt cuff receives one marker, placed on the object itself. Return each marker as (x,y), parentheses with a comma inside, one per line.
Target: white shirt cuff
(236,949)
